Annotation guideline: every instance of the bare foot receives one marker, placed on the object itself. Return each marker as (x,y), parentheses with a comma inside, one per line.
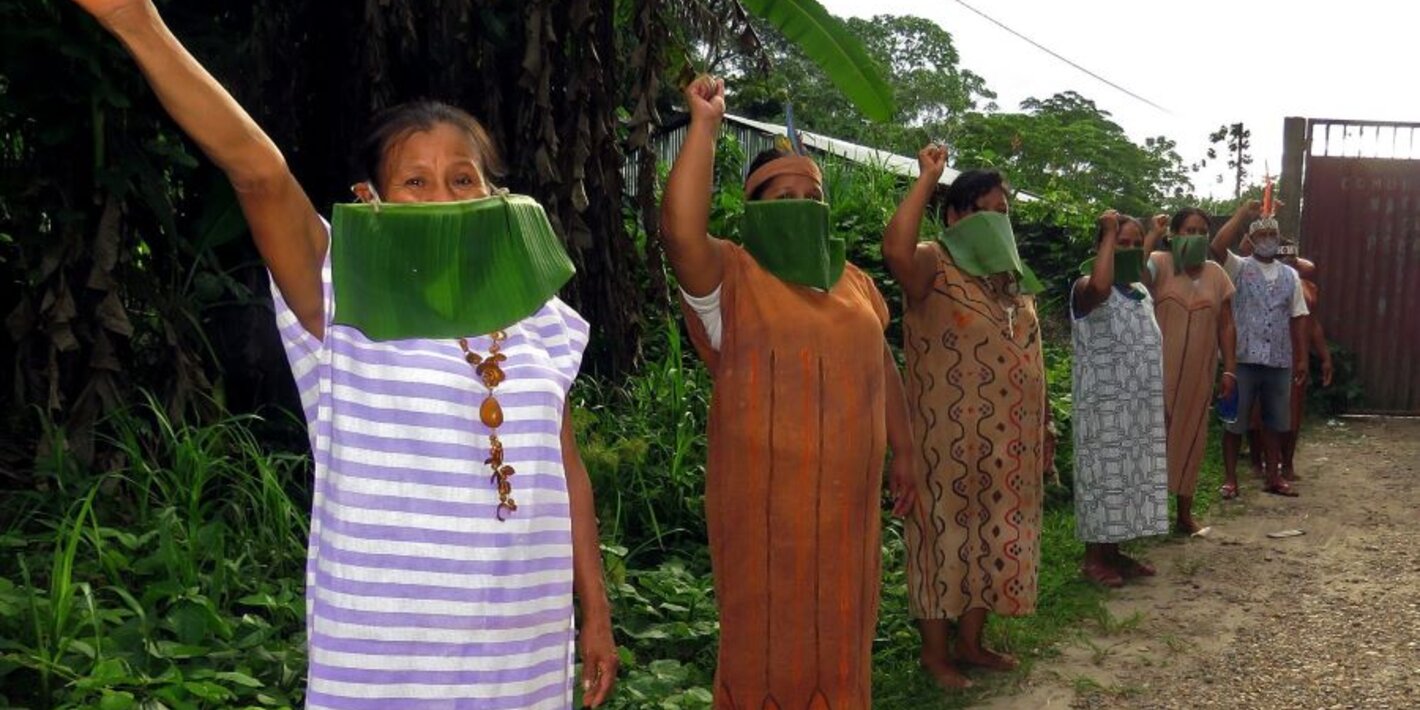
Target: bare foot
(1129,568)
(1103,575)
(1187,527)
(946,674)
(983,658)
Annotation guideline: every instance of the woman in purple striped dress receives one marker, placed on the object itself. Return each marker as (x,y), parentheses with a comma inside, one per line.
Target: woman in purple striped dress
(424,589)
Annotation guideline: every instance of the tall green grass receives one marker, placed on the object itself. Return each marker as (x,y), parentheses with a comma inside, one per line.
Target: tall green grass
(169,577)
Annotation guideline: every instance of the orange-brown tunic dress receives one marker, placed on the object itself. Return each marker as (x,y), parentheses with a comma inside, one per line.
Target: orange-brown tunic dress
(797,437)
(976,389)
(1307,270)
(1188,311)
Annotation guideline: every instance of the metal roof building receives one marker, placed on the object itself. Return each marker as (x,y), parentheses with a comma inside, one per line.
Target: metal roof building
(756,136)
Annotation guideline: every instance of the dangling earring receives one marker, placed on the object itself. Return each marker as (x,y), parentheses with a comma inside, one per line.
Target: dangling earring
(374,200)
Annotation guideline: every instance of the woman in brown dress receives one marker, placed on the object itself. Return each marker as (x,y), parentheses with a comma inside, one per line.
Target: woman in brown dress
(807,400)
(1193,304)
(976,393)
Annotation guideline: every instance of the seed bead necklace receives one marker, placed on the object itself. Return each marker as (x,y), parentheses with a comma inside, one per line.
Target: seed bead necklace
(490,371)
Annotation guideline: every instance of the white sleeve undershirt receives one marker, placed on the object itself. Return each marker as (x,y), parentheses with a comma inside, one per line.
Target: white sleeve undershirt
(707,308)
(1299,300)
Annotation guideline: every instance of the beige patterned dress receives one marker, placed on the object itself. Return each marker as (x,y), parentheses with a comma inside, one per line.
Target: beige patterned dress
(1188,310)
(976,390)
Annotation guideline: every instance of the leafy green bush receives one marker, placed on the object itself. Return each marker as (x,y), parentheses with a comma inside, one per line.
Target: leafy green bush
(1345,391)
(174,575)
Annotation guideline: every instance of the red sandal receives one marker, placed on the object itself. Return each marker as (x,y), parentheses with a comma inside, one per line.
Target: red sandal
(1280,488)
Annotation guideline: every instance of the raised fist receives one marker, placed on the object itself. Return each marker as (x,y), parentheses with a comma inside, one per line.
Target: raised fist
(706,98)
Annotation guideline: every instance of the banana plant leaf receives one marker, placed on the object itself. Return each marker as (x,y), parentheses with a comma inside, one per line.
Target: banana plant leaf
(984,244)
(443,270)
(791,239)
(827,43)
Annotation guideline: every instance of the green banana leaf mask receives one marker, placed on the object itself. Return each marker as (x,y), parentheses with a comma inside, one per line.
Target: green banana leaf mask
(443,270)
(1188,251)
(1128,266)
(791,239)
(984,244)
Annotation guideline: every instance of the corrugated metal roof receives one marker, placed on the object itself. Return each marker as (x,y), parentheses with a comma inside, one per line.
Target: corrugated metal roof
(756,136)
(892,162)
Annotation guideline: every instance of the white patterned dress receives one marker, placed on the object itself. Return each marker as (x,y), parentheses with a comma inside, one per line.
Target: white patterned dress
(1121,466)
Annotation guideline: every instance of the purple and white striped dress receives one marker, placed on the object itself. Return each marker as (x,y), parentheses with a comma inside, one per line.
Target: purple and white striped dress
(416,595)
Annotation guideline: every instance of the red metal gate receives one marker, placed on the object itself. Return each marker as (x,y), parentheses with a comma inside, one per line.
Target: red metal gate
(1360,223)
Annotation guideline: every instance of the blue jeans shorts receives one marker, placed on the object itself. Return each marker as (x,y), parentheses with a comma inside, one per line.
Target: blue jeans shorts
(1266,387)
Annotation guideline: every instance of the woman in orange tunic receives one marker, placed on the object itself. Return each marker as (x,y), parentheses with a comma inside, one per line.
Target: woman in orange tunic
(976,391)
(807,399)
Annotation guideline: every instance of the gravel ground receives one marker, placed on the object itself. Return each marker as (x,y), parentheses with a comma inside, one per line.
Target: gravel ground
(1326,620)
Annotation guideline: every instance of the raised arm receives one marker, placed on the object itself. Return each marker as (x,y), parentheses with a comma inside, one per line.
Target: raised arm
(1157,229)
(1223,240)
(685,209)
(1092,290)
(284,224)
(914,268)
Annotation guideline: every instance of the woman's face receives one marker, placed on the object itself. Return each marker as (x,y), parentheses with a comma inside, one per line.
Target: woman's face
(437,165)
(1129,236)
(791,187)
(993,201)
(1194,226)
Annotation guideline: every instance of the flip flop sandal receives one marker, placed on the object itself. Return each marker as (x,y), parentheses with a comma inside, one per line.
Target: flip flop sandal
(1228,491)
(1280,489)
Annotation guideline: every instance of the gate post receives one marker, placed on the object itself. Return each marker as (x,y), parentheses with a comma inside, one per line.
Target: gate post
(1294,154)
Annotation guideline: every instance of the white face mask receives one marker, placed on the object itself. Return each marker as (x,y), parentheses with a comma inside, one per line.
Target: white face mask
(1266,247)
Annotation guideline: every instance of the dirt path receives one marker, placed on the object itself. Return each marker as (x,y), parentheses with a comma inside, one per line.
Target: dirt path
(1330,619)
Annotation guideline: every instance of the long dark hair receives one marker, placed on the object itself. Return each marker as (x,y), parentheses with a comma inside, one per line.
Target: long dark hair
(1182,216)
(968,187)
(394,123)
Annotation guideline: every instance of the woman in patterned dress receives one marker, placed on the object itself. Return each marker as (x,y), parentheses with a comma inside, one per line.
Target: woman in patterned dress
(418,595)
(976,392)
(1121,469)
(807,401)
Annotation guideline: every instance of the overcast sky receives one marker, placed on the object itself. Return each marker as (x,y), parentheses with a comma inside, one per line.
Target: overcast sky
(1208,62)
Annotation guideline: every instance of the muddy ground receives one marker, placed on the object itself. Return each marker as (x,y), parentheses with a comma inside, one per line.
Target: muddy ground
(1328,619)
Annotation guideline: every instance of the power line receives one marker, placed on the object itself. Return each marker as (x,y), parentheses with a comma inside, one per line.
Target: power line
(1057,55)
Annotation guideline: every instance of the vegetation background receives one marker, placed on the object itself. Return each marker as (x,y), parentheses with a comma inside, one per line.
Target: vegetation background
(155,480)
